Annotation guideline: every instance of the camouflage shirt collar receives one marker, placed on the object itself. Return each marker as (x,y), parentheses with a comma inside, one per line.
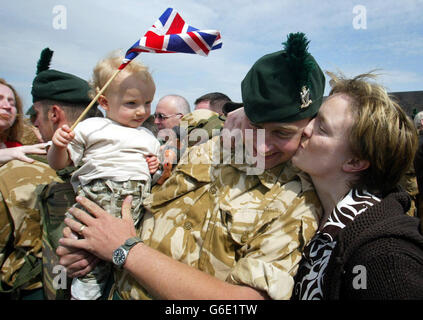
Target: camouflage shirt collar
(283,172)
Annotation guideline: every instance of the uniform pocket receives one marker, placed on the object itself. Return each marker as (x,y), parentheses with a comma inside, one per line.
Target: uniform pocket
(241,223)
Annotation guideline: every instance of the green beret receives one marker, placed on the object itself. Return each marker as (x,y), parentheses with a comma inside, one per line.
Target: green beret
(284,86)
(60,86)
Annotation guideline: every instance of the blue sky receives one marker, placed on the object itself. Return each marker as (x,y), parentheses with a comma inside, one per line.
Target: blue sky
(348,36)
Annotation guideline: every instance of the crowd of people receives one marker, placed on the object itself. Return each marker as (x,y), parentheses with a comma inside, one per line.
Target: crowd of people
(133,213)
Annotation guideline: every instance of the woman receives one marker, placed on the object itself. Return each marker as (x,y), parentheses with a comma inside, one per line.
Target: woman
(11,127)
(356,150)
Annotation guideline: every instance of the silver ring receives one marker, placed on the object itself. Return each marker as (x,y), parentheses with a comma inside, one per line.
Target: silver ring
(82,228)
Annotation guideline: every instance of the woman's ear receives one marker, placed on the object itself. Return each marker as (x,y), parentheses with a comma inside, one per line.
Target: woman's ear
(355,165)
(102,101)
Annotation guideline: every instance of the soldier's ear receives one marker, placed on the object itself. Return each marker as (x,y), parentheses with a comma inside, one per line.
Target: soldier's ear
(56,114)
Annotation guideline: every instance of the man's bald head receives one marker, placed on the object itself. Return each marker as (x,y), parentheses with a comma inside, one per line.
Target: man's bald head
(169,111)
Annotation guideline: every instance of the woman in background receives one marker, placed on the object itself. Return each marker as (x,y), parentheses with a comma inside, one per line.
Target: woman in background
(11,127)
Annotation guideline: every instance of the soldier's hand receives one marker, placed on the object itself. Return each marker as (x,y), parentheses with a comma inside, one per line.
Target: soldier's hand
(102,232)
(63,136)
(76,261)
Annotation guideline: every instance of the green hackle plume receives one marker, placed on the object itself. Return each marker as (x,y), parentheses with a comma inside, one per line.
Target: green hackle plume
(45,59)
(296,48)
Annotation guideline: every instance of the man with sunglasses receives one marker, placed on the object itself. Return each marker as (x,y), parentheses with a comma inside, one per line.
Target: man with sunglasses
(169,111)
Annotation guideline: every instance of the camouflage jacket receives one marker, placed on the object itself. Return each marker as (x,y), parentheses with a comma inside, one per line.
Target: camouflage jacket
(243,229)
(208,121)
(20,224)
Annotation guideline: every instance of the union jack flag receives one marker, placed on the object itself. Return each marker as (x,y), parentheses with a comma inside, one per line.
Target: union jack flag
(171,34)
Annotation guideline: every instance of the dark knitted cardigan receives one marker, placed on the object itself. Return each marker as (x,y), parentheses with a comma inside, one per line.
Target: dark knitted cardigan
(388,244)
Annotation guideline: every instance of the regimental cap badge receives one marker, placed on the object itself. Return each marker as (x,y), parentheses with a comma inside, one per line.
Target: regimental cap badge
(305,97)
(301,65)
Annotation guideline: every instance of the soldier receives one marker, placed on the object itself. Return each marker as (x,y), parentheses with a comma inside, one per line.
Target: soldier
(194,128)
(213,101)
(58,99)
(212,231)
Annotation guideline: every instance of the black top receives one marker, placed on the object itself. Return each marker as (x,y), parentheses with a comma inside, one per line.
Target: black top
(418,164)
(379,255)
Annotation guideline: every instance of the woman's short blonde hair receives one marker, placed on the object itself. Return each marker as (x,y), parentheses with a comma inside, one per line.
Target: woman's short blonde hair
(14,133)
(106,67)
(382,132)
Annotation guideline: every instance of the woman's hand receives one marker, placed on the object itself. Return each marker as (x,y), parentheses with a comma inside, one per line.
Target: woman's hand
(19,153)
(103,233)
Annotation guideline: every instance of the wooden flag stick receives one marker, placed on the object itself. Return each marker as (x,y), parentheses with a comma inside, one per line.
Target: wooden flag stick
(95,99)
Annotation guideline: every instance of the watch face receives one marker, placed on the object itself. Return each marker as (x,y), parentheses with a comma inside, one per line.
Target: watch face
(119,256)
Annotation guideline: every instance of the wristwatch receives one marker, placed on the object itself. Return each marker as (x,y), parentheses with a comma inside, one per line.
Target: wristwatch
(121,253)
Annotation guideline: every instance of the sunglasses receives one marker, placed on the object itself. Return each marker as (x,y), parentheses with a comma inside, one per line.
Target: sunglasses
(161,116)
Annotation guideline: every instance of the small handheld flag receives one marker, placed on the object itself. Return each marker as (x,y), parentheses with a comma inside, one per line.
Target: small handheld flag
(170,34)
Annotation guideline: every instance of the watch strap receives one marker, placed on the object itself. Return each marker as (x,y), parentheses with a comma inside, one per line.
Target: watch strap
(131,242)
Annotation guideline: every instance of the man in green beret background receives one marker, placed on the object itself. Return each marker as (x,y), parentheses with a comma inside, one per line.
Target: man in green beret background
(59,98)
(213,231)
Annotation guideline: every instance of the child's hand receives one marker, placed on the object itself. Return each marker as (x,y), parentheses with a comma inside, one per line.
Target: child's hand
(63,136)
(153,163)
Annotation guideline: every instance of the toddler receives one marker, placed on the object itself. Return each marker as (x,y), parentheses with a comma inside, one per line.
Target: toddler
(111,152)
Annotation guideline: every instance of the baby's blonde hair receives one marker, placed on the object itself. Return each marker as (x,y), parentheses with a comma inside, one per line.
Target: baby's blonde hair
(106,67)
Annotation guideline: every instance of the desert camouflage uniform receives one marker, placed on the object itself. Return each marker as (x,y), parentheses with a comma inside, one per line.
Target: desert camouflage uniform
(243,229)
(208,121)
(194,128)
(20,226)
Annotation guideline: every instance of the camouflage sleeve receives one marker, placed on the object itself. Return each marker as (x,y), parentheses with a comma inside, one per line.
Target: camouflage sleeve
(20,233)
(5,229)
(200,126)
(273,255)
